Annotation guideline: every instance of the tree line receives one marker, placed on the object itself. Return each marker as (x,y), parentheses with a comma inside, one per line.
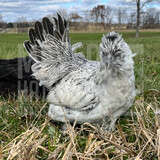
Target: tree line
(105,17)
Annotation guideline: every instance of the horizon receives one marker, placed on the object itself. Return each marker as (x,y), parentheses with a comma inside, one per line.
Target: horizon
(33,10)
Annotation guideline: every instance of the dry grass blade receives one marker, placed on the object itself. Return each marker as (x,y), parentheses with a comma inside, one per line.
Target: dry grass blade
(143,128)
(1,153)
(140,153)
(121,134)
(54,155)
(37,116)
(27,146)
(137,158)
(72,135)
(128,150)
(6,134)
(91,147)
(68,153)
(158,143)
(89,141)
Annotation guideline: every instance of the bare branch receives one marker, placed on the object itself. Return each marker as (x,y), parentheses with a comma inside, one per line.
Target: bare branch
(148,1)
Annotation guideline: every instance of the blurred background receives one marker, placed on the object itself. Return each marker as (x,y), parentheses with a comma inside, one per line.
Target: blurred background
(17,16)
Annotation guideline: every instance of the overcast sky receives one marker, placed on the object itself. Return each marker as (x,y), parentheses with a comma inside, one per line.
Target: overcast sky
(36,9)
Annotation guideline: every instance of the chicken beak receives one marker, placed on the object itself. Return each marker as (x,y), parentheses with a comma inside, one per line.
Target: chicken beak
(109,65)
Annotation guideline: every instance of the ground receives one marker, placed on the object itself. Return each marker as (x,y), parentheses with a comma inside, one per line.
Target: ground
(26,131)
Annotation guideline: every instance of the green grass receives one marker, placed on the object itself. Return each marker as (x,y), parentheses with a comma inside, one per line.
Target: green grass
(147,47)
(18,115)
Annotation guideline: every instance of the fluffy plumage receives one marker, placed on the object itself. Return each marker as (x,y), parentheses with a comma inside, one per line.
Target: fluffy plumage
(80,89)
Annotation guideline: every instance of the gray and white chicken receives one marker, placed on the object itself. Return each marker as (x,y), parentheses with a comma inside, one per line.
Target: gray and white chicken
(80,89)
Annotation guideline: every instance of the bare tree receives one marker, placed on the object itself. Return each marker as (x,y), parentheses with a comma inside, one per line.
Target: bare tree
(75,17)
(2,23)
(139,5)
(109,13)
(94,14)
(22,25)
(98,13)
(21,19)
(151,18)
(87,19)
(158,19)
(131,20)
(121,16)
(87,16)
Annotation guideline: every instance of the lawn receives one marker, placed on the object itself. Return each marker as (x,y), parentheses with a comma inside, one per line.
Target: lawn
(25,130)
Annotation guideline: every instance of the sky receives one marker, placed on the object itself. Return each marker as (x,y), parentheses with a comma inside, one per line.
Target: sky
(36,9)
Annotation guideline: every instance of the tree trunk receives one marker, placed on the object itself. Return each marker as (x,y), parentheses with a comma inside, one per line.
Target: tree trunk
(138,18)
(15,76)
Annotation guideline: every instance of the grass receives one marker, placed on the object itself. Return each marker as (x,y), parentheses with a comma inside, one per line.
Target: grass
(27,133)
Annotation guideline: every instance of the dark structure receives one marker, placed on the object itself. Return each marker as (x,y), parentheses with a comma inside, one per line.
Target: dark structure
(15,76)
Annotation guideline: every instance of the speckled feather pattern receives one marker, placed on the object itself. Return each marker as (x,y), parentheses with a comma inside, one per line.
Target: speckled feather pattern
(80,89)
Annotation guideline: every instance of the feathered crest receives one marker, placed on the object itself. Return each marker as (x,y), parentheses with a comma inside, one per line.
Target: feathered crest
(113,51)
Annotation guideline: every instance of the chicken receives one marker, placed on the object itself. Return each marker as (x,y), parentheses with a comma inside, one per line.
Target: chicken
(82,90)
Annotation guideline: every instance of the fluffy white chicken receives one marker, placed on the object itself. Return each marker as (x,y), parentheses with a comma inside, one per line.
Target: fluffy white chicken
(80,89)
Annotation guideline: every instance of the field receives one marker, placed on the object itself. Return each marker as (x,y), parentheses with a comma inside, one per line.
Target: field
(27,133)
